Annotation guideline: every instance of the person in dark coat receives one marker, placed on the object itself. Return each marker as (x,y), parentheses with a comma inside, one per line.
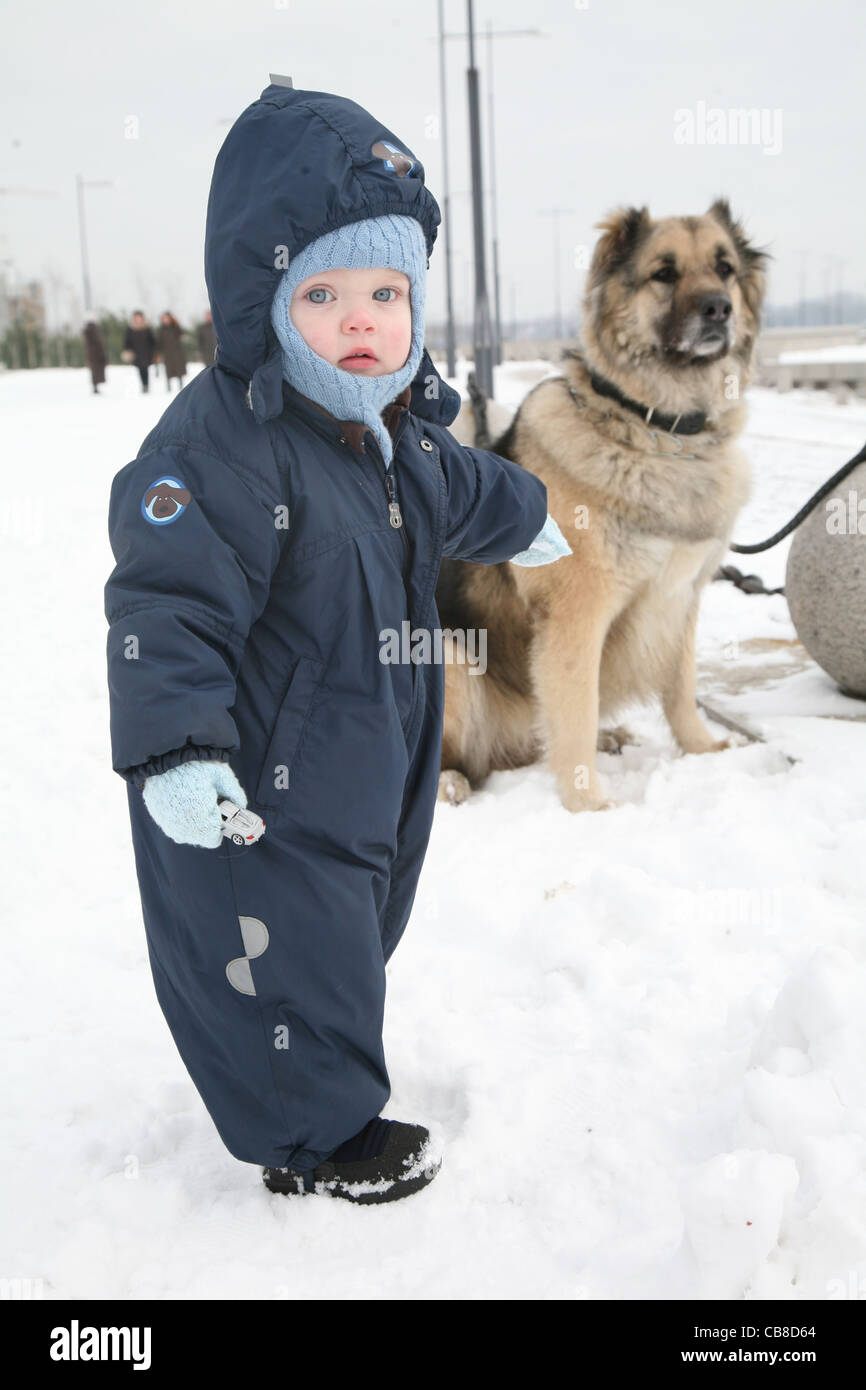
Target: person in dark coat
(94,351)
(141,343)
(170,343)
(281,524)
(206,339)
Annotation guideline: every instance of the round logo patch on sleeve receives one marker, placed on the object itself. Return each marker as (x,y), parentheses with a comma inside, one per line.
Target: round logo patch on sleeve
(396,161)
(164,501)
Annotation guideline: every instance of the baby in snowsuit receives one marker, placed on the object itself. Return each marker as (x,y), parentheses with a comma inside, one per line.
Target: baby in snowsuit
(288,512)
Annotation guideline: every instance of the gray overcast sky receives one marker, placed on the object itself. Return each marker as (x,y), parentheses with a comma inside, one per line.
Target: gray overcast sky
(585,120)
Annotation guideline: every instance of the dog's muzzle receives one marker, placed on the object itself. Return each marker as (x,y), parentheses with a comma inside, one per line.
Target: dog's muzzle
(707,330)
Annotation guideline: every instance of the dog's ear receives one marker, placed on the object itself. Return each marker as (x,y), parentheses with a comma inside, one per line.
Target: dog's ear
(624,229)
(750,255)
(753,278)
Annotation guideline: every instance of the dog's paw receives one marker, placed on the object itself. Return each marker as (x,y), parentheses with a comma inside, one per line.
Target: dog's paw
(614,740)
(712,745)
(704,745)
(453,787)
(586,800)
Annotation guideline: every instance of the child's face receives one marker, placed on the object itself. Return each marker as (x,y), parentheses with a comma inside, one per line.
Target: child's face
(341,312)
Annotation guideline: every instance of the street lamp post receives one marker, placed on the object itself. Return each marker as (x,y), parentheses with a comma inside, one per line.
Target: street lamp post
(482,350)
(494,207)
(497,323)
(449,303)
(804,255)
(555,214)
(81,184)
(493,332)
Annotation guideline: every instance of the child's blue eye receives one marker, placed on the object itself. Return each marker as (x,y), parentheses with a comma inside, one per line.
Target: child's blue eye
(320,290)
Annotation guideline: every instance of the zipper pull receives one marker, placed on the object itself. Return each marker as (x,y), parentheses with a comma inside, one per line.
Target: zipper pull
(395,516)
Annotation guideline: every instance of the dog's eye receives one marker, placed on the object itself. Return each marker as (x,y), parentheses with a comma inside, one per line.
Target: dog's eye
(725,269)
(666,275)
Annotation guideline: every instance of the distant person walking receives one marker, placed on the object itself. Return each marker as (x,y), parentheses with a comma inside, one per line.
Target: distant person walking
(139,346)
(170,341)
(206,340)
(94,351)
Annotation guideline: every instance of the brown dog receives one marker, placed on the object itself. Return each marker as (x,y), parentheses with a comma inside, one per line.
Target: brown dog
(635,443)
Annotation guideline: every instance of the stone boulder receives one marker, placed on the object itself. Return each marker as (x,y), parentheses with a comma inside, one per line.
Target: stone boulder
(825,583)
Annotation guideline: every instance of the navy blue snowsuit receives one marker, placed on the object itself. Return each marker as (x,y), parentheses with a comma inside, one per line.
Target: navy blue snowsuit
(256,569)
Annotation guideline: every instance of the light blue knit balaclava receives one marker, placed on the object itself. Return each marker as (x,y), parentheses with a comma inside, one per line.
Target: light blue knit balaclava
(394,241)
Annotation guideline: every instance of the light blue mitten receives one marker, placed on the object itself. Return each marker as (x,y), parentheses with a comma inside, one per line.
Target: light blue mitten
(549,545)
(183,801)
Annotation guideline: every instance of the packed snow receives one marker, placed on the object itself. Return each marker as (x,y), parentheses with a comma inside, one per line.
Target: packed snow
(638,1035)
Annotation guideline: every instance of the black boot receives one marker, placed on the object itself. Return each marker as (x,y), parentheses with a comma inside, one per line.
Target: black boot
(385,1161)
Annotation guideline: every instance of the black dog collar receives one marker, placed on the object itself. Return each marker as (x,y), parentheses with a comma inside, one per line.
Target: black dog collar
(673,424)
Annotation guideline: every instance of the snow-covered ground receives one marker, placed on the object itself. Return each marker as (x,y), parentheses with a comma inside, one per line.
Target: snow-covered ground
(640,1034)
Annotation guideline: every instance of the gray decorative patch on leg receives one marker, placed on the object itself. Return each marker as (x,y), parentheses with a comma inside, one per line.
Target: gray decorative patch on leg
(255,937)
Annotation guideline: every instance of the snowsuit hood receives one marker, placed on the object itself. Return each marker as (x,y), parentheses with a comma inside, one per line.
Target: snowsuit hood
(295,165)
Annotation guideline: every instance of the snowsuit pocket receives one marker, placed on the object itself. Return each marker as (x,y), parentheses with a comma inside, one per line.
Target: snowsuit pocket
(274,778)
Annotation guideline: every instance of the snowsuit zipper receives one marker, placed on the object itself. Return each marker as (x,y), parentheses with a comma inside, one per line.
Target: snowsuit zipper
(395,516)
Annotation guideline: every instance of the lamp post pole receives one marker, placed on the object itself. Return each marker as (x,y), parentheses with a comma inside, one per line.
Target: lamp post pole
(481,334)
(81,184)
(450,351)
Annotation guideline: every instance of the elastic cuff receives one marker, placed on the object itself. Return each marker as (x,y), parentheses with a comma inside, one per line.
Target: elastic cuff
(162,762)
(549,545)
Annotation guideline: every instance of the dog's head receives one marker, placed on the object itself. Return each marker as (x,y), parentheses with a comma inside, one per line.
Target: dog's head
(675,296)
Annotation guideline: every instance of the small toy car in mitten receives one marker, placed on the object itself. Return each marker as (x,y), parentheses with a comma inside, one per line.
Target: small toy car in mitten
(242,826)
